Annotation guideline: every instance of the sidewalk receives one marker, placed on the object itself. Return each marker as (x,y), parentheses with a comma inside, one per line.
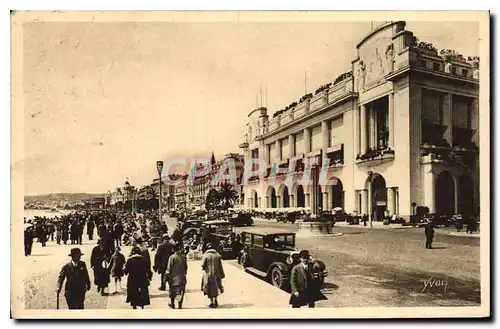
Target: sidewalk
(378,225)
(241,290)
(472,235)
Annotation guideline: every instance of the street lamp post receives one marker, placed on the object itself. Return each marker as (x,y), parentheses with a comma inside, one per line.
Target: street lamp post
(159,167)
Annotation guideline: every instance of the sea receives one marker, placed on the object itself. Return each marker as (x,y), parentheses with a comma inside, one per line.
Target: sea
(31,213)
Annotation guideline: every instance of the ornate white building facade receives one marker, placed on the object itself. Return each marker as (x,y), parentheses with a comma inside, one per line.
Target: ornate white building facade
(399,130)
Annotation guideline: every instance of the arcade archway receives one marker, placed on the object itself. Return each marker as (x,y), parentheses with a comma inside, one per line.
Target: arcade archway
(379,197)
(337,194)
(286,197)
(445,194)
(271,195)
(301,200)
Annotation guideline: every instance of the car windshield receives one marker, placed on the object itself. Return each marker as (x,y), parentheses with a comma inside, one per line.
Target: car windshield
(282,242)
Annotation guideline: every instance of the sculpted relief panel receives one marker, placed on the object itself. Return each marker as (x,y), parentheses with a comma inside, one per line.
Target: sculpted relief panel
(376,61)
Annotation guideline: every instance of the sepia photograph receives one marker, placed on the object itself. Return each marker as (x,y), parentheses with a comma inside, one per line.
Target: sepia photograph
(217,165)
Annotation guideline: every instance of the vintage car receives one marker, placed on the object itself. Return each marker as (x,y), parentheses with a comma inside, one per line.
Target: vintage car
(271,254)
(220,233)
(240,219)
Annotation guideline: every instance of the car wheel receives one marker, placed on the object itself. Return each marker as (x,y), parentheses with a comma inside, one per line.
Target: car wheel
(277,278)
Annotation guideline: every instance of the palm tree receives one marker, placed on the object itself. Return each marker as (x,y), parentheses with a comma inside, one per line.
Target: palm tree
(227,195)
(212,200)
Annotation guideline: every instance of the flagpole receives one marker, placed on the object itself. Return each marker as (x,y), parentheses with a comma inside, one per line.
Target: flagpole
(305,82)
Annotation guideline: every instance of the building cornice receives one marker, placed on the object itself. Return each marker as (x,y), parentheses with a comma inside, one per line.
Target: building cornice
(344,98)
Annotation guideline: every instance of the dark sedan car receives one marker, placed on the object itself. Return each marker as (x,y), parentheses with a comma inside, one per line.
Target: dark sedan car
(271,254)
(241,219)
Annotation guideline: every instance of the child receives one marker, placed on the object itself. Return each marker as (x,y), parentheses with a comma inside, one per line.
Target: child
(117,263)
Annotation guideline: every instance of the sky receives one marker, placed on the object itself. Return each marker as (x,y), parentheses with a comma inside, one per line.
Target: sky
(103,101)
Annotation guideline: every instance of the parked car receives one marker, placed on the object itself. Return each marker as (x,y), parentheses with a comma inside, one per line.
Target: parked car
(241,219)
(271,254)
(220,233)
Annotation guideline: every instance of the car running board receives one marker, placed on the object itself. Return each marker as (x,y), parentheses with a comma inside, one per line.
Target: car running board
(256,271)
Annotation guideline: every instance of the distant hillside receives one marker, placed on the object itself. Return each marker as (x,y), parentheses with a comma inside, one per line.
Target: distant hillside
(57,197)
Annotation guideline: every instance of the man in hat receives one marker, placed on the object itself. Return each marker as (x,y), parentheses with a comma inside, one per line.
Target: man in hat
(165,250)
(77,280)
(305,290)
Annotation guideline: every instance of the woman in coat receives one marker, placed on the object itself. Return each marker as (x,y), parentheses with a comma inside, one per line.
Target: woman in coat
(213,273)
(138,279)
(99,262)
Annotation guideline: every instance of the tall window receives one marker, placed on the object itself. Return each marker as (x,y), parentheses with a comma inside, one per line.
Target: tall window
(381,108)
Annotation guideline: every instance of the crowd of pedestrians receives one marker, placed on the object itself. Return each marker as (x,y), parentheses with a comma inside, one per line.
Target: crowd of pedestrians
(143,233)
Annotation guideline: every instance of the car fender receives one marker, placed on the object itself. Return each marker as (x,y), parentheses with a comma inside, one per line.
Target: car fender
(283,268)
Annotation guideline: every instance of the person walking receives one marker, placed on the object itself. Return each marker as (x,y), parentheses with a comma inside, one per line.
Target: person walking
(176,272)
(165,250)
(213,273)
(58,232)
(116,264)
(145,254)
(117,233)
(65,231)
(28,239)
(79,236)
(77,280)
(305,289)
(90,229)
(99,262)
(429,235)
(138,279)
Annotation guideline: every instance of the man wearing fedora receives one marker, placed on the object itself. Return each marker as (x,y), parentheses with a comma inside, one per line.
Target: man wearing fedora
(305,289)
(77,280)
(165,250)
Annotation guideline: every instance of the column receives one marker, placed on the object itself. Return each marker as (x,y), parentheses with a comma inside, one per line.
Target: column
(372,130)
(291,146)
(307,140)
(267,202)
(363,129)
(447,118)
(390,113)
(475,120)
(278,202)
(291,201)
(429,188)
(259,202)
(265,156)
(390,201)
(364,202)
(278,149)
(330,201)
(325,201)
(324,136)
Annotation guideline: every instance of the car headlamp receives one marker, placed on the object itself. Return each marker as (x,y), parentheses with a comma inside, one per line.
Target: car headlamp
(289,260)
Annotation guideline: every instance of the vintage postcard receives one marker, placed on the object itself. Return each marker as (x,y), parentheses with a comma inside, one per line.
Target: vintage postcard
(181,165)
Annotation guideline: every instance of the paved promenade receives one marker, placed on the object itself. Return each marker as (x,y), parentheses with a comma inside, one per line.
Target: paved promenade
(242,290)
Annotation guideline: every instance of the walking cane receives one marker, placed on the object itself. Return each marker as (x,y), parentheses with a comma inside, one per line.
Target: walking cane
(57,300)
